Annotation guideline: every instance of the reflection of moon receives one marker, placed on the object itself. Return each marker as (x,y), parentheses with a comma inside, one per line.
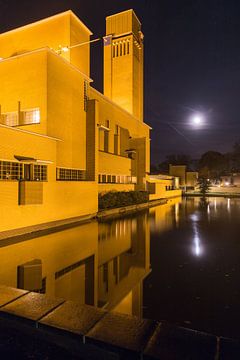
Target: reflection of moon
(197,248)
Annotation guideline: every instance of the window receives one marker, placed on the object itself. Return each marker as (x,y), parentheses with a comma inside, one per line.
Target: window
(67,174)
(128,46)
(31,116)
(27,117)
(10,170)
(103,178)
(10,119)
(116,179)
(39,173)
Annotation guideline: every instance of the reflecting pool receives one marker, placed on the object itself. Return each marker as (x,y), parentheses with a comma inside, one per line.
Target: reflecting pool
(177,262)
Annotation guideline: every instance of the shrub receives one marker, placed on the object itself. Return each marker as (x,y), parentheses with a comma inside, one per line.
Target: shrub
(114,199)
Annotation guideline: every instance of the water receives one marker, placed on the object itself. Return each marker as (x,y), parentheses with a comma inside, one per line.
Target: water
(177,262)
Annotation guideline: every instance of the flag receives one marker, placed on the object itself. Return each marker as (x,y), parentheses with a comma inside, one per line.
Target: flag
(107,40)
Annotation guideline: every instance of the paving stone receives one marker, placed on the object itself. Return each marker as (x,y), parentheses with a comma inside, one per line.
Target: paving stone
(122,332)
(72,317)
(229,349)
(8,294)
(31,307)
(177,343)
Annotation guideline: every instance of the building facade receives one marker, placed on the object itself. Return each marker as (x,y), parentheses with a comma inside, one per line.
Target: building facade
(62,141)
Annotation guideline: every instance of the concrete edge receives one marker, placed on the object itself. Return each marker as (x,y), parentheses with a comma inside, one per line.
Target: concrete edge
(70,341)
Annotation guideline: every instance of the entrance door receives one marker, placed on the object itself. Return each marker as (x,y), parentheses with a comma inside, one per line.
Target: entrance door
(27,172)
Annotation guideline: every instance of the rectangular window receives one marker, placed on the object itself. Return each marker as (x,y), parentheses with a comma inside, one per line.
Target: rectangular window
(31,116)
(103,178)
(66,174)
(128,46)
(10,119)
(109,178)
(39,173)
(11,170)
(26,117)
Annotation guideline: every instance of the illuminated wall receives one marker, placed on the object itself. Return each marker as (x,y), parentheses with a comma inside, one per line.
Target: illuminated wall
(55,32)
(49,113)
(123,62)
(55,86)
(126,151)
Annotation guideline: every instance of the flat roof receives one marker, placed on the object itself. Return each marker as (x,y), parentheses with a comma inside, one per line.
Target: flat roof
(125,11)
(35,23)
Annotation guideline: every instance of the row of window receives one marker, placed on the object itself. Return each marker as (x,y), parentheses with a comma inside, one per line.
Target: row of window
(10,170)
(121,48)
(116,179)
(67,174)
(27,117)
(169,188)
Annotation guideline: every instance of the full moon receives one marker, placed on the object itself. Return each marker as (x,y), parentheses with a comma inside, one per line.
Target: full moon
(197,120)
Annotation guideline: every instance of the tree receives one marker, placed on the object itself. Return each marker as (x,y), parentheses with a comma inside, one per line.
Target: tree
(204,186)
(212,164)
(234,157)
(174,159)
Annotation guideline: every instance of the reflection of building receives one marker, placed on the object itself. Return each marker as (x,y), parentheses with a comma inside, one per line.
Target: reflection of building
(187,179)
(61,140)
(123,263)
(69,263)
(100,264)
(165,217)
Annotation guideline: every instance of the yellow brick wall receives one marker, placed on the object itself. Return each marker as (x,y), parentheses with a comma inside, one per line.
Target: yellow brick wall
(24,79)
(123,74)
(117,116)
(75,199)
(113,164)
(60,30)
(66,115)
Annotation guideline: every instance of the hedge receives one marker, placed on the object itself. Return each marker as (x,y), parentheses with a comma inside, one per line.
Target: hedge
(114,199)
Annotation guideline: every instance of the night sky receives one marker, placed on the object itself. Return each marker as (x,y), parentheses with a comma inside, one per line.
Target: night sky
(192,63)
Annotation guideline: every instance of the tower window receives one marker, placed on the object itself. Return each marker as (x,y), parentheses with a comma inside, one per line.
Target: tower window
(124,48)
(114,48)
(120,49)
(128,46)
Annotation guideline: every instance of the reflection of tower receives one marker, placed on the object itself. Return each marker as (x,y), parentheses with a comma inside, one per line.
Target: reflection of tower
(124,261)
(123,62)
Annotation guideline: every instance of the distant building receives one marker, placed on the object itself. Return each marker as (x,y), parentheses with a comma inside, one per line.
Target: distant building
(187,179)
(231,180)
(163,185)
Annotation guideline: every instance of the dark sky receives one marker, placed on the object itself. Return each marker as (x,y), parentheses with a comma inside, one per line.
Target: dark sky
(192,63)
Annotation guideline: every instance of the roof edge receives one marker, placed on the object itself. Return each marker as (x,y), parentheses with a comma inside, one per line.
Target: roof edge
(58,15)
